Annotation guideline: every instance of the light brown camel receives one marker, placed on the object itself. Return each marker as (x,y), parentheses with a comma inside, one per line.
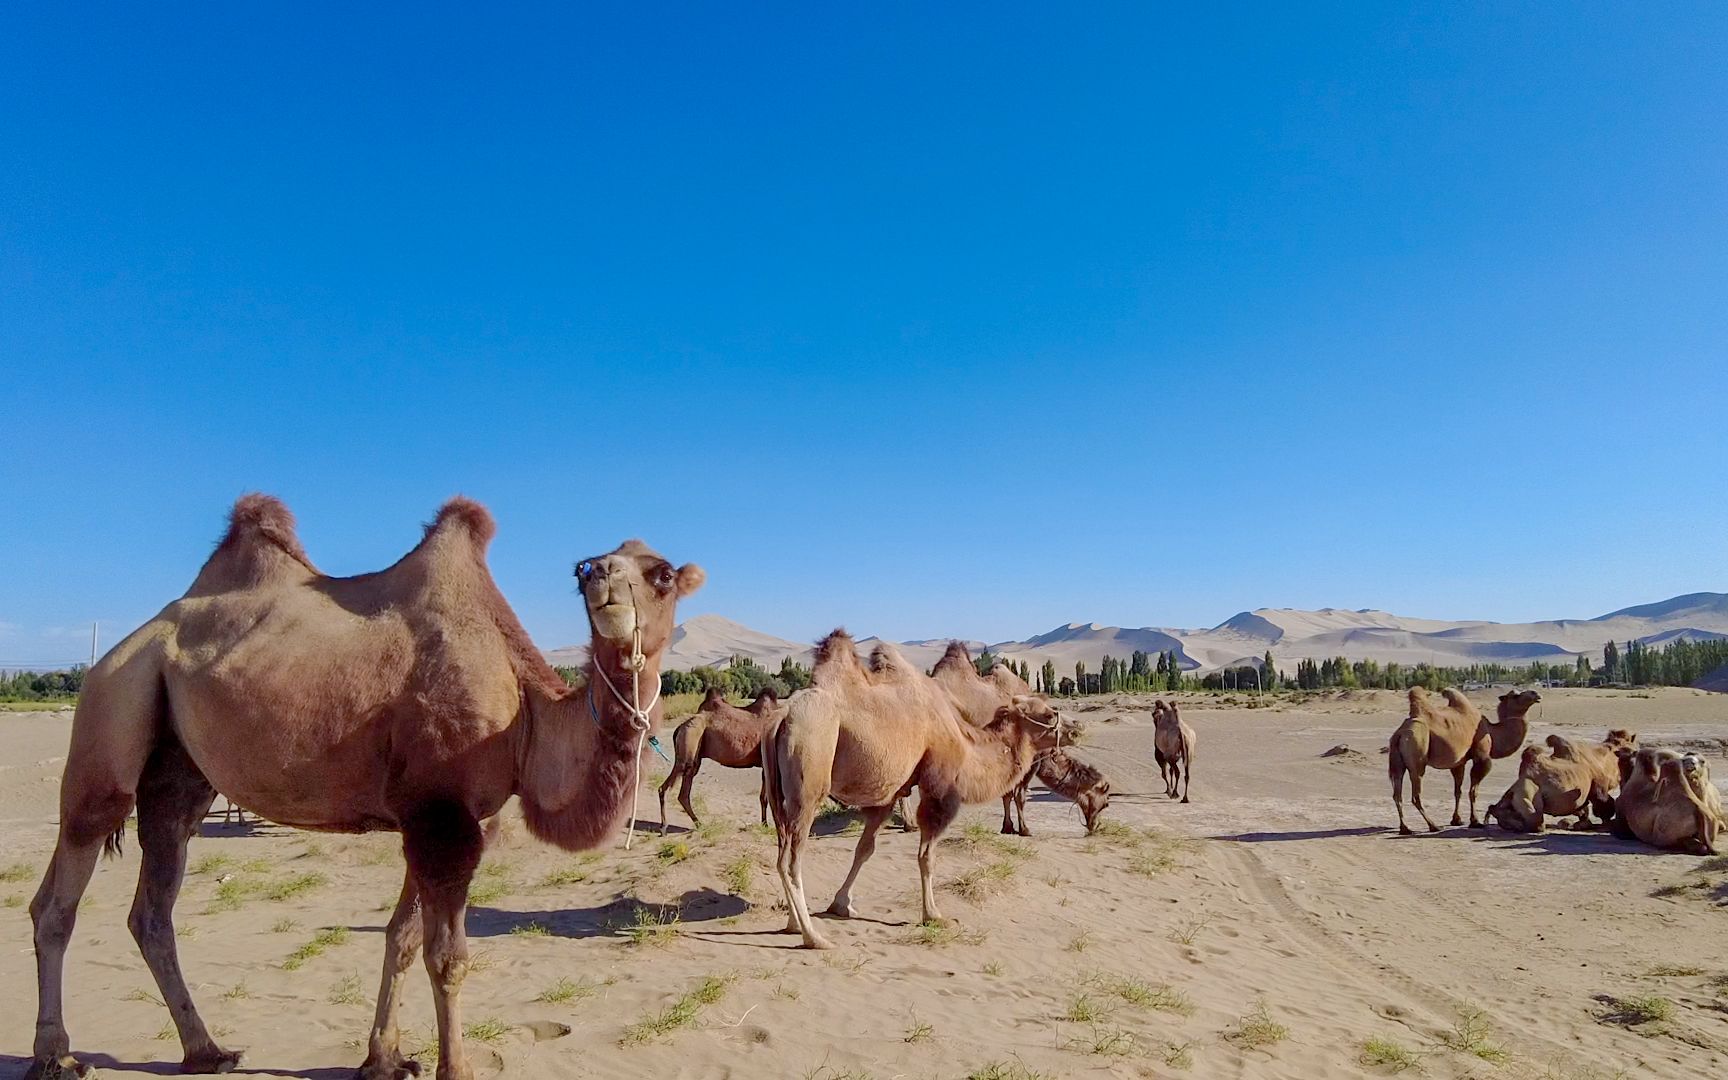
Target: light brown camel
(410,700)
(1074,780)
(1548,785)
(867,735)
(978,697)
(1453,736)
(1667,801)
(1173,746)
(725,734)
(1603,761)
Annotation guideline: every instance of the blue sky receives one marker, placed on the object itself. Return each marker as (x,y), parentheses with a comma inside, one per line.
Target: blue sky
(973,320)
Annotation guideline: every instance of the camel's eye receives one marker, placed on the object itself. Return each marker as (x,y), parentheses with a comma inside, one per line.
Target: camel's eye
(585,571)
(663,577)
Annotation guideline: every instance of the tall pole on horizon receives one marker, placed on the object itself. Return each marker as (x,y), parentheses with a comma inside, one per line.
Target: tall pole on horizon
(93,626)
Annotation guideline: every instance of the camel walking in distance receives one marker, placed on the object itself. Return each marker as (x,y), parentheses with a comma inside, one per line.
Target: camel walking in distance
(978,697)
(1173,744)
(1454,736)
(410,700)
(724,734)
(866,735)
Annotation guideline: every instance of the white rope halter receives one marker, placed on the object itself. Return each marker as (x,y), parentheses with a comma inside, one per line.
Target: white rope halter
(641,719)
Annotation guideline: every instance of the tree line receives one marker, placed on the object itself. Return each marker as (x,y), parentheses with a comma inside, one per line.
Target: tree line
(42,685)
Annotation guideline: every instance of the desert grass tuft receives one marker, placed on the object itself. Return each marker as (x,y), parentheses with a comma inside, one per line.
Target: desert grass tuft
(1673,971)
(1160,997)
(284,926)
(1106,1040)
(738,874)
(1085,1009)
(1639,1010)
(1177,1055)
(565,875)
(681,1013)
(1080,942)
(565,990)
(982,882)
(944,933)
(1258,1030)
(530,929)
(1381,1051)
(487,1029)
(650,927)
(1189,930)
(211,864)
(672,852)
(1006,1070)
(346,991)
(237,992)
(919,1032)
(323,941)
(290,887)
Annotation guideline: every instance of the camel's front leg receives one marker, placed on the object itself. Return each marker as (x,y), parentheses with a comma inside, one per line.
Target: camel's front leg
(1008,814)
(671,778)
(1416,800)
(384,1060)
(934,817)
(1020,803)
(1478,770)
(173,798)
(1458,795)
(874,816)
(444,844)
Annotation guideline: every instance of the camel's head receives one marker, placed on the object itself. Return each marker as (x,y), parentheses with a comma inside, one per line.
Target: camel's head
(1515,703)
(1619,737)
(1165,712)
(634,592)
(1628,758)
(1093,802)
(1032,714)
(1695,768)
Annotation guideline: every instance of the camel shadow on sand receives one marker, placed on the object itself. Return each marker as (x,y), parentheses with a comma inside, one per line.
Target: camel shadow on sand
(622,917)
(11,1065)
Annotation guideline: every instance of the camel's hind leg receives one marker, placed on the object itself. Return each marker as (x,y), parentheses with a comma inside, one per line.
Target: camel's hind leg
(1020,804)
(684,794)
(112,735)
(1187,774)
(1008,814)
(384,1060)
(874,816)
(794,797)
(173,797)
(671,778)
(1458,794)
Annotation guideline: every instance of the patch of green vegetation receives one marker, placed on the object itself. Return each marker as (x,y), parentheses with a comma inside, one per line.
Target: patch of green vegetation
(943,933)
(324,940)
(290,887)
(565,990)
(212,864)
(993,968)
(488,1029)
(284,926)
(530,929)
(1189,930)
(485,890)
(1178,1055)
(1258,1030)
(1080,942)
(982,882)
(1673,971)
(232,894)
(1380,1051)
(258,865)
(919,1032)
(13,901)
(564,875)
(672,852)
(346,991)
(237,992)
(738,874)
(650,927)
(1084,1009)
(1006,1070)
(1641,1010)
(1151,863)
(1142,994)
(1106,1040)
(681,1013)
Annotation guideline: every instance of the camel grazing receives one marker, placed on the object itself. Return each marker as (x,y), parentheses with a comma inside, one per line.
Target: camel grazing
(1173,747)
(1074,780)
(1667,801)
(865,736)
(408,700)
(1453,736)
(1549,785)
(725,734)
(978,697)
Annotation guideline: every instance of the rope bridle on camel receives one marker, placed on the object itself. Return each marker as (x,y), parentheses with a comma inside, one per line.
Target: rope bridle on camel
(641,719)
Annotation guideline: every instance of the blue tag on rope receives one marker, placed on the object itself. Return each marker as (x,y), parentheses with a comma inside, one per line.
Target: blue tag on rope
(654,741)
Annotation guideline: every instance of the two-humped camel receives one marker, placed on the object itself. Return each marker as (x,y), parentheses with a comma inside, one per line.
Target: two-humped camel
(410,700)
(724,734)
(1454,736)
(978,697)
(1668,801)
(866,736)
(1570,778)
(1173,743)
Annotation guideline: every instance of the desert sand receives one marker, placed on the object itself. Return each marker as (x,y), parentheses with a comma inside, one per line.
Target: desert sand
(1268,929)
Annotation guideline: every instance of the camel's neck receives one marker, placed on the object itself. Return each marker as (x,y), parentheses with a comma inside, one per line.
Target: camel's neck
(580,766)
(1506,735)
(994,761)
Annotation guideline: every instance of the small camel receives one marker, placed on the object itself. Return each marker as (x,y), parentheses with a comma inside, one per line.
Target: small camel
(725,734)
(1173,746)
(978,697)
(408,700)
(1453,736)
(1074,780)
(867,735)
(1667,801)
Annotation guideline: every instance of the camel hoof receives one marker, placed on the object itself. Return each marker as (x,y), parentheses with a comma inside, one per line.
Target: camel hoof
(1474,824)
(1433,828)
(214,1060)
(844,911)
(1184,798)
(1405,830)
(817,942)
(402,1068)
(1025,831)
(1456,820)
(65,1067)
(1007,829)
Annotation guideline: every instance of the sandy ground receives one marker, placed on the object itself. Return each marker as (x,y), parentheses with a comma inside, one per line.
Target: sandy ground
(1267,929)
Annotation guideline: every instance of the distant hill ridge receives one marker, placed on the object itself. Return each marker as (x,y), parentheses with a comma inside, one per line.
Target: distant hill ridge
(1290,634)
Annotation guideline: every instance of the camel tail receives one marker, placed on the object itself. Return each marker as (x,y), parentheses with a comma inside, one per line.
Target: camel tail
(115,845)
(771,775)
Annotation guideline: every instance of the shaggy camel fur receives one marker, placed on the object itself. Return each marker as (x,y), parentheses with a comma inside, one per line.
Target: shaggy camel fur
(1173,747)
(1548,785)
(978,697)
(868,735)
(409,700)
(1667,801)
(1602,757)
(1075,781)
(1453,736)
(722,733)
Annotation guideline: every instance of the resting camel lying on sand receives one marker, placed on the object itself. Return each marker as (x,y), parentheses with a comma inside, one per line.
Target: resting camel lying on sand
(1074,780)
(978,697)
(1453,736)
(867,735)
(1173,746)
(1569,780)
(1667,801)
(725,734)
(409,700)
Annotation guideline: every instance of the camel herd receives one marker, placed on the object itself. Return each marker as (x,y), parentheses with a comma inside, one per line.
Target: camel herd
(412,700)
(1663,798)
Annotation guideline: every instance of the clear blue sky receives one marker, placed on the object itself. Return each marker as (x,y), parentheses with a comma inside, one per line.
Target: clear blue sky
(973,320)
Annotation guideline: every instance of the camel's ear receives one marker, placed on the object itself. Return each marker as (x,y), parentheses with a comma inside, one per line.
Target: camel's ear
(690,578)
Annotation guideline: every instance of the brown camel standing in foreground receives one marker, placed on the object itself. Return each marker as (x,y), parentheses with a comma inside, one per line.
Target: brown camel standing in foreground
(410,699)
(866,736)
(1453,736)
(1173,744)
(725,734)
(978,697)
